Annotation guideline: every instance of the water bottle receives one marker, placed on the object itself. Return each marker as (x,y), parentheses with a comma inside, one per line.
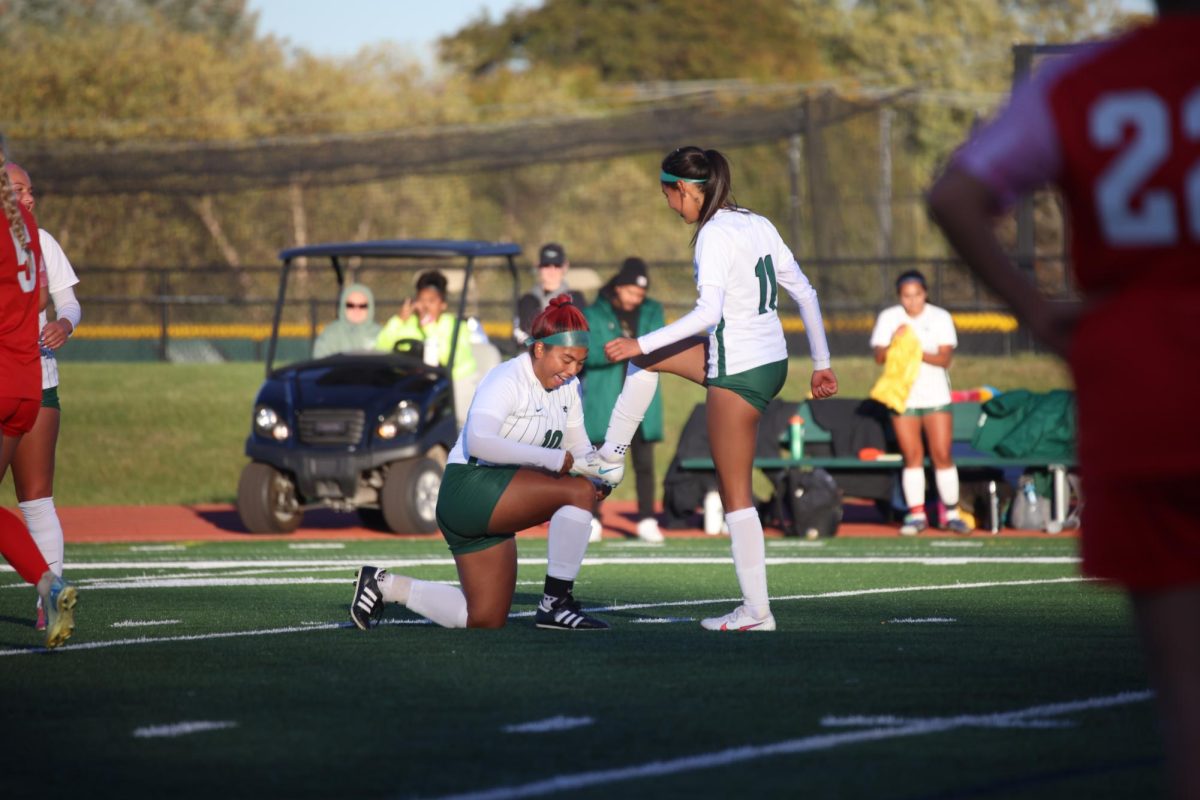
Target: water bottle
(797,437)
(1036,518)
(993,507)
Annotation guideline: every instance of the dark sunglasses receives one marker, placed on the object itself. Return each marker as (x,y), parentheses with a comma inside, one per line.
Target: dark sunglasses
(357,305)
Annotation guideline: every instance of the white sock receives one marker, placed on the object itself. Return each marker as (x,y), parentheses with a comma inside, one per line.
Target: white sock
(947,486)
(445,605)
(394,588)
(567,542)
(46,530)
(749,558)
(913,481)
(636,396)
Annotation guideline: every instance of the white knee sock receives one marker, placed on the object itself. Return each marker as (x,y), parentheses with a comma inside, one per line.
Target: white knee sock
(567,542)
(46,530)
(749,558)
(636,396)
(913,481)
(947,486)
(445,605)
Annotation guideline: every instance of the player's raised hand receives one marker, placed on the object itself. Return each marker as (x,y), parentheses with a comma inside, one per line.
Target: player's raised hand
(621,349)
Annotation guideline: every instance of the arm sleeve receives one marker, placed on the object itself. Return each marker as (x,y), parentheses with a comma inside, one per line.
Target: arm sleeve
(66,306)
(881,336)
(575,437)
(797,285)
(700,319)
(484,441)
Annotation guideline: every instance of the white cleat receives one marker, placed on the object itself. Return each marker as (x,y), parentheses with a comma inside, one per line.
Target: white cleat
(647,531)
(740,619)
(594,467)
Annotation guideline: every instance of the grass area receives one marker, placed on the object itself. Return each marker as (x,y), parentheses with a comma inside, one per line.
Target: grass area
(144,433)
(901,669)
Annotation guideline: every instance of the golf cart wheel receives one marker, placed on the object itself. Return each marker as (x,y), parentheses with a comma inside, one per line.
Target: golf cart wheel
(371,518)
(409,495)
(266,500)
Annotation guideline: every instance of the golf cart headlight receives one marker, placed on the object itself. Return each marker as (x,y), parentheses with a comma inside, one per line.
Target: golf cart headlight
(265,420)
(280,432)
(404,419)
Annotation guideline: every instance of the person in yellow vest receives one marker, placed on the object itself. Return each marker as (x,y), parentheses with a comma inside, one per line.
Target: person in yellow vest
(424,318)
(926,409)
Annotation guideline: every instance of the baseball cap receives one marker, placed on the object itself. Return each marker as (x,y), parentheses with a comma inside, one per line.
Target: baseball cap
(552,253)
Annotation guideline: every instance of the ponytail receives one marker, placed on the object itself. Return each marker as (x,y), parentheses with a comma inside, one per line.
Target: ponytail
(561,316)
(8,201)
(709,170)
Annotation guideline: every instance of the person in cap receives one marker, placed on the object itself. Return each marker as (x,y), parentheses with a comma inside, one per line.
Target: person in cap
(622,308)
(551,281)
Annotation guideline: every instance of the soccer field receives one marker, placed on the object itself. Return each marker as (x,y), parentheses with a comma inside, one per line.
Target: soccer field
(932,668)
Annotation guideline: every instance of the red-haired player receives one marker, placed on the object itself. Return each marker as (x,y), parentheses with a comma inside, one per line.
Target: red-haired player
(510,470)
(22,296)
(1117,129)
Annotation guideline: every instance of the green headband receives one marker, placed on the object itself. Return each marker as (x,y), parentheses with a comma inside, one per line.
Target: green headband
(565,339)
(667,177)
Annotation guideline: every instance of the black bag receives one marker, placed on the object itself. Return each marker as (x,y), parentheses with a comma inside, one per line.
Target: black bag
(807,503)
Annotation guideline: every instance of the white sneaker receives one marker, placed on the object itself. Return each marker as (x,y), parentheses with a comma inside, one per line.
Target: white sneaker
(740,619)
(595,467)
(647,530)
(597,531)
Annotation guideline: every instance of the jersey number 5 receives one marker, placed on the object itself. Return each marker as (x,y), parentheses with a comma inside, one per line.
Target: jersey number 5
(1155,222)
(26,279)
(764,270)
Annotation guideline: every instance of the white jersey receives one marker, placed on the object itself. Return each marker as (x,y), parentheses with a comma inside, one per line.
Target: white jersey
(516,421)
(934,328)
(742,254)
(60,276)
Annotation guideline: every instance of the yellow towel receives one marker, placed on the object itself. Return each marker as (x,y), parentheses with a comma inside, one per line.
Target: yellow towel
(899,371)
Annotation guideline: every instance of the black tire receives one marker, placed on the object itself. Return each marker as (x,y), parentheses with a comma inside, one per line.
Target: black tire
(372,518)
(408,498)
(266,500)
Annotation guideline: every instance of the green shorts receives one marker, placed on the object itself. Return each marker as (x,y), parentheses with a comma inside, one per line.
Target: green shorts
(468,497)
(50,398)
(758,385)
(922,412)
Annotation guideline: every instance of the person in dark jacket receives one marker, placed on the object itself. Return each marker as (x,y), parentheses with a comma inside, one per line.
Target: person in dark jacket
(623,309)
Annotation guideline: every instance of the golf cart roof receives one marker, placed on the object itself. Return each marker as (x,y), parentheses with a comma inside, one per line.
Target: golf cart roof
(403,248)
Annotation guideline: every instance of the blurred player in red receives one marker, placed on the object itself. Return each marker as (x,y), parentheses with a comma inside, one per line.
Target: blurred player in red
(1117,129)
(22,296)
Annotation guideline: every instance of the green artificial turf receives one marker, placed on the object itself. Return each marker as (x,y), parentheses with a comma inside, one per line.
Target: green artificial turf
(868,628)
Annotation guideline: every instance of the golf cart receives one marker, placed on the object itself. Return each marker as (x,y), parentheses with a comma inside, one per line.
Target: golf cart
(361,431)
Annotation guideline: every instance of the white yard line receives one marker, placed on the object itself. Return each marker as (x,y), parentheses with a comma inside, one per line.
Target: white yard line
(522,614)
(570,782)
(144,623)
(391,562)
(181,729)
(919,620)
(551,725)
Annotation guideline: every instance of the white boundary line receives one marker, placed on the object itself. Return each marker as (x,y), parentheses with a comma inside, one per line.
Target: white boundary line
(807,744)
(391,562)
(520,614)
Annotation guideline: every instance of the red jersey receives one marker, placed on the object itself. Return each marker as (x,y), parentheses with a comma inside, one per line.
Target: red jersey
(1117,128)
(20,280)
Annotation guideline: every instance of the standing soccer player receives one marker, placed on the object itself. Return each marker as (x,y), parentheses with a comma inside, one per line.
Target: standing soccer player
(22,285)
(1117,129)
(731,343)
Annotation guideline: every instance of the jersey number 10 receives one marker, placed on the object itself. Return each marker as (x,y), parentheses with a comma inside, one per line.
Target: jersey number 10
(1155,222)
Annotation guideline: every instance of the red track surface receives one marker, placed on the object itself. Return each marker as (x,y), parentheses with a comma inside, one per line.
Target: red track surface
(220,523)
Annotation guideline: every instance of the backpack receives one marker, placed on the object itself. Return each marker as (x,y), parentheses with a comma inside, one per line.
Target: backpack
(1030,511)
(806,503)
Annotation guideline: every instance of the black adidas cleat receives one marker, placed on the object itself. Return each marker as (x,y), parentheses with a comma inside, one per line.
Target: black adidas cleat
(565,614)
(367,608)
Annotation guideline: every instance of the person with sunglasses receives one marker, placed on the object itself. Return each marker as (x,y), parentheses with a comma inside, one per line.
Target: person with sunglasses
(551,281)
(355,327)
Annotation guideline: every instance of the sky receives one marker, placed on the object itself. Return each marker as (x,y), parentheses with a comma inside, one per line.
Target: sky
(340,28)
